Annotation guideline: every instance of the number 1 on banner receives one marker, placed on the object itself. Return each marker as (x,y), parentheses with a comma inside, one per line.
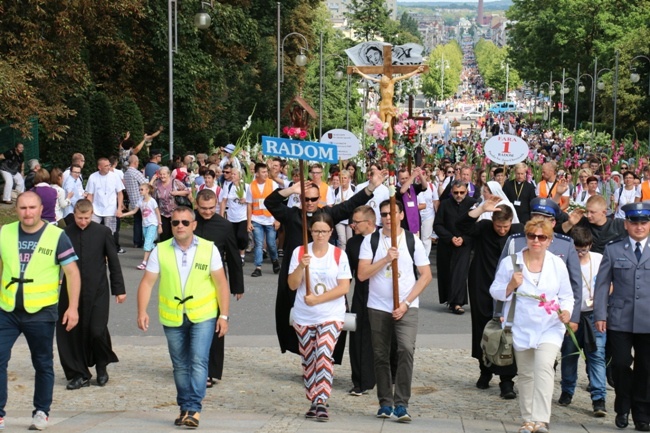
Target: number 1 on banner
(506,147)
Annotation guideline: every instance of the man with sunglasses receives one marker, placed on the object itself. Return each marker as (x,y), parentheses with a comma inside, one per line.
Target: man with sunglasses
(291,219)
(215,228)
(193,287)
(624,313)
(452,258)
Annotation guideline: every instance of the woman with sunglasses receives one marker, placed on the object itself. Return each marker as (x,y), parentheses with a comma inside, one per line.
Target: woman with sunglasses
(537,333)
(318,316)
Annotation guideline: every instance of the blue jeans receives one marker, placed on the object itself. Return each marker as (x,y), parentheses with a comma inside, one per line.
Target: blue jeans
(189,348)
(259,231)
(40,338)
(595,363)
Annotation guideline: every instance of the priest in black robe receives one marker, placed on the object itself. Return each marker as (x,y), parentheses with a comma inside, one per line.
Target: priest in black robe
(89,343)
(213,227)
(291,219)
(489,239)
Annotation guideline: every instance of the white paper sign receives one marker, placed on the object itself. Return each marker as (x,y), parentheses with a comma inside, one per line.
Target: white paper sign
(372,54)
(346,142)
(506,149)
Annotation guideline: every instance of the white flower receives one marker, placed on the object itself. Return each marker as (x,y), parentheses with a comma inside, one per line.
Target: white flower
(391,191)
(401,152)
(386,125)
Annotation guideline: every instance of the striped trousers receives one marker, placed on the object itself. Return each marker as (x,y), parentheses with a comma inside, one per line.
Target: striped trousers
(316,344)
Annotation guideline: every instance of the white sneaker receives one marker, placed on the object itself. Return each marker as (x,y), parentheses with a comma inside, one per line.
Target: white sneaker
(2,423)
(39,421)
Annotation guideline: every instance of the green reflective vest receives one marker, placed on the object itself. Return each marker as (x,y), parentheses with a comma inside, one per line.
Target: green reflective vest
(42,270)
(200,298)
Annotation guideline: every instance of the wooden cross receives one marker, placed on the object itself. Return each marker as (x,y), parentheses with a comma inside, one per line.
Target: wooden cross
(387,115)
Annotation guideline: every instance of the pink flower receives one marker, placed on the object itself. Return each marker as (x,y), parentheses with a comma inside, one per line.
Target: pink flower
(549,306)
(302,134)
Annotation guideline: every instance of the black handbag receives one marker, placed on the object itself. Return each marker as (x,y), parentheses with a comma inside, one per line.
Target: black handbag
(496,342)
(181,200)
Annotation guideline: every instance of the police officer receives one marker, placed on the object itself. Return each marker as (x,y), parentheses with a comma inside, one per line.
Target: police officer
(625,313)
(562,246)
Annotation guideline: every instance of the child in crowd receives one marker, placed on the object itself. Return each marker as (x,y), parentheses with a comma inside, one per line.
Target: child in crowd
(151,221)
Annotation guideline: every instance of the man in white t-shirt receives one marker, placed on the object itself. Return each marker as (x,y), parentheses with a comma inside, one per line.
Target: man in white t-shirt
(104,190)
(386,321)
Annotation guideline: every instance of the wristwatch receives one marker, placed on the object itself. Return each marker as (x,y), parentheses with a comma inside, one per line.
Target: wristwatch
(224,317)
(408,304)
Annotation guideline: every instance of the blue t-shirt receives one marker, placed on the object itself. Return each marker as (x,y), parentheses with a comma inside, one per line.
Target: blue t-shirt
(64,254)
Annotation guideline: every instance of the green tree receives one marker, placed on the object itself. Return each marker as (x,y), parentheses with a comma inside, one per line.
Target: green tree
(128,117)
(448,60)
(102,121)
(367,18)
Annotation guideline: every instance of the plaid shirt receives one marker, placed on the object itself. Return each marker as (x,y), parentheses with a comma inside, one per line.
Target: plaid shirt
(133,178)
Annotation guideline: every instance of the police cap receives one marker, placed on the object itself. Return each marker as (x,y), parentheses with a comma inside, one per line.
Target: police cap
(545,206)
(637,211)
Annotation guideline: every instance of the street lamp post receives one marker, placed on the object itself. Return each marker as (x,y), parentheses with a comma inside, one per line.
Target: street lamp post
(300,60)
(533,89)
(614,96)
(172,12)
(442,64)
(507,77)
(635,78)
(596,84)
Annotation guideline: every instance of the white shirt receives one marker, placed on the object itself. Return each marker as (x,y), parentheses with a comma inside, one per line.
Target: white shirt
(104,190)
(342,196)
(380,194)
(153,265)
(236,211)
(148,209)
(623,197)
(76,186)
(324,274)
(260,219)
(633,243)
(427,197)
(589,274)
(380,296)
(532,325)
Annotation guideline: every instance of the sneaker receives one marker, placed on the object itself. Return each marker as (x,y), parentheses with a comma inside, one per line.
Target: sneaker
(280,252)
(565,399)
(39,421)
(276,267)
(599,408)
(121,251)
(311,413)
(142,266)
(257,273)
(356,391)
(483,381)
(385,412)
(402,414)
(2,423)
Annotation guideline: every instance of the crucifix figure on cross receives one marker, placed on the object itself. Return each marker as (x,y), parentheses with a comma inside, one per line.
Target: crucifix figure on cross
(387,85)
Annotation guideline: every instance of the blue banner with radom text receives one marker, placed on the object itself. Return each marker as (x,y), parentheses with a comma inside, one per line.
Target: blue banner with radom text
(306,150)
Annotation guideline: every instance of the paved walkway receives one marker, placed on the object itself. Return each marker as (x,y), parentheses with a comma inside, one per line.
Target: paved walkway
(262,392)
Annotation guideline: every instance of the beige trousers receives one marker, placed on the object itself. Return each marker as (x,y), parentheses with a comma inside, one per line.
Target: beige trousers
(536,381)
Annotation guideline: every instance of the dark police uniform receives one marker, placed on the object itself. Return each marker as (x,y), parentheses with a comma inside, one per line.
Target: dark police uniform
(626,311)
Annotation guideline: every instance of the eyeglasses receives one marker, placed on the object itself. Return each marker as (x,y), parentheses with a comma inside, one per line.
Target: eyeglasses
(623,168)
(533,236)
(582,251)
(311,199)
(226,172)
(384,214)
(176,223)
(320,232)
(357,222)
(459,192)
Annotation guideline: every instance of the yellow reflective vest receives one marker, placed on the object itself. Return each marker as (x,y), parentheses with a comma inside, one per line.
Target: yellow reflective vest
(200,298)
(41,277)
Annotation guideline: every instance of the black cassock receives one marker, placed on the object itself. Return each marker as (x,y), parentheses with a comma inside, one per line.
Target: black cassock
(291,219)
(488,246)
(89,343)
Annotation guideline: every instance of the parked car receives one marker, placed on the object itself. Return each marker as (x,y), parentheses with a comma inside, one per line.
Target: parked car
(472,115)
(503,107)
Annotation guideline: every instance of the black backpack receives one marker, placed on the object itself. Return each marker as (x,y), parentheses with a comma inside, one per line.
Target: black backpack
(410,244)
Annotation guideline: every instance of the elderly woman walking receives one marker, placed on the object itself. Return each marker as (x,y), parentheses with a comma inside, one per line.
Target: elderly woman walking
(540,283)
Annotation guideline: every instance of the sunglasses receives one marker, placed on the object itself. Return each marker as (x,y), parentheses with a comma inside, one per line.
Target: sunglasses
(226,172)
(460,192)
(384,214)
(450,172)
(311,199)
(533,236)
(176,223)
